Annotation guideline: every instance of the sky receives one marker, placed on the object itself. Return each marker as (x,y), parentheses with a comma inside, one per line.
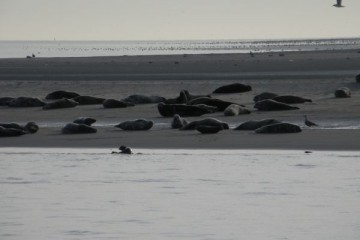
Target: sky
(177,19)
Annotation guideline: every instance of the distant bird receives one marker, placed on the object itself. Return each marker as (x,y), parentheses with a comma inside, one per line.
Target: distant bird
(309,123)
(338,4)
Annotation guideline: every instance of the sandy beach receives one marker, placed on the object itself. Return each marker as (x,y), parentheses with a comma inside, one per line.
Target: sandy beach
(314,75)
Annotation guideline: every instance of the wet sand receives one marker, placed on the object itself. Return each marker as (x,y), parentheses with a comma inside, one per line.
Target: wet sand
(313,75)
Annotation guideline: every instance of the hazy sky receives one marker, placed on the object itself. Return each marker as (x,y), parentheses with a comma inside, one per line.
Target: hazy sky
(176,19)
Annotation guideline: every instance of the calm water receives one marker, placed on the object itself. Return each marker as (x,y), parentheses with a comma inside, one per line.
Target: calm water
(21,49)
(178,194)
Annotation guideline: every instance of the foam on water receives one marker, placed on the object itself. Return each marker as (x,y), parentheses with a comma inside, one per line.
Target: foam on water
(178,194)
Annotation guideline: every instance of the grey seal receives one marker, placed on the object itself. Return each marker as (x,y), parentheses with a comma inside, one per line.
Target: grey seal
(29,127)
(234,110)
(271,105)
(279,128)
(113,103)
(85,120)
(26,102)
(207,122)
(289,99)
(4,101)
(178,122)
(61,94)
(233,88)
(169,110)
(142,99)
(220,104)
(88,100)
(253,125)
(205,129)
(74,128)
(136,125)
(342,92)
(264,96)
(62,103)
(11,132)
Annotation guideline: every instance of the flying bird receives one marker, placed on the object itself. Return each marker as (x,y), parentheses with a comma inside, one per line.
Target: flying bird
(309,123)
(338,4)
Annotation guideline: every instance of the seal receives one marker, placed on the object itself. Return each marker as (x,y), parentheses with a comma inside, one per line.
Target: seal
(233,88)
(169,110)
(29,127)
(220,104)
(88,100)
(112,103)
(205,129)
(136,125)
(142,99)
(279,128)
(26,102)
(342,92)
(271,105)
(85,120)
(205,122)
(62,103)
(74,128)
(289,99)
(184,97)
(253,125)
(11,132)
(4,101)
(264,96)
(178,122)
(234,110)
(61,94)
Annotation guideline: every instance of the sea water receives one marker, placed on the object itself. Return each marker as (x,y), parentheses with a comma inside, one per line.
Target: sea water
(178,194)
(21,49)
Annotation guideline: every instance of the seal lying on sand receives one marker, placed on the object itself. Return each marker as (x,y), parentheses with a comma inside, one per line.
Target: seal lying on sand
(271,105)
(112,103)
(342,92)
(74,128)
(88,100)
(169,110)
(26,102)
(205,129)
(85,120)
(178,122)
(234,110)
(61,94)
(4,101)
(279,128)
(62,103)
(264,96)
(30,127)
(136,125)
(233,88)
(220,104)
(288,99)
(253,125)
(11,132)
(184,97)
(142,99)
(205,122)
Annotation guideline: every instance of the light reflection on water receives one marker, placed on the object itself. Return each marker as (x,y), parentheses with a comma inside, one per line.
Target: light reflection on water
(178,194)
